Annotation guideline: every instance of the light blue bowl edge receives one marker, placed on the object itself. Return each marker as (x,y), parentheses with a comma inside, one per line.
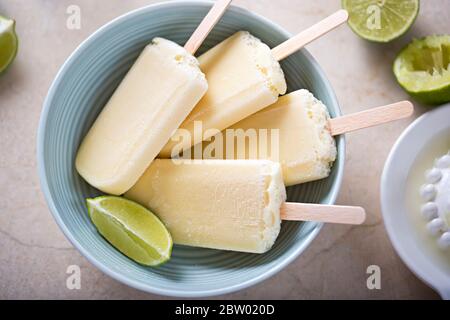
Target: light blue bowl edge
(135,284)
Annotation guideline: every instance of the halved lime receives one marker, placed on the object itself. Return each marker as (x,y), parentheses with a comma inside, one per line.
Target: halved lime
(381,20)
(8,42)
(132,229)
(423,69)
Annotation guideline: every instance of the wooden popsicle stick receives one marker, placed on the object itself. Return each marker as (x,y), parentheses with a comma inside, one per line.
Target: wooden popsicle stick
(322,213)
(205,27)
(303,38)
(371,117)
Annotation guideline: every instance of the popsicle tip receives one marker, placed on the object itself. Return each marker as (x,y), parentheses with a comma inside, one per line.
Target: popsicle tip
(360,217)
(342,14)
(409,106)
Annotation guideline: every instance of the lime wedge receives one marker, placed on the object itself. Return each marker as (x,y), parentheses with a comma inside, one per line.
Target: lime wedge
(132,229)
(381,20)
(423,69)
(8,42)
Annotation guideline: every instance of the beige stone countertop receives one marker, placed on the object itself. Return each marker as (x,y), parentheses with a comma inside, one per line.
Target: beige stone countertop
(34,253)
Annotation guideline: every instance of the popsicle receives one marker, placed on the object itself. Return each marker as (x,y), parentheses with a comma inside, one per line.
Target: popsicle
(156,95)
(304,143)
(244,76)
(226,204)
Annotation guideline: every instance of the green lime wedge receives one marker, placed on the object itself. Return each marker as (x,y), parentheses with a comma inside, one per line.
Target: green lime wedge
(381,20)
(8,42)
(422,68)
(132,229)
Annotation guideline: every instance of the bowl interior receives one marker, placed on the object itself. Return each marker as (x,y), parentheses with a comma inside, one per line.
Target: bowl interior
(411,243)
(82,88)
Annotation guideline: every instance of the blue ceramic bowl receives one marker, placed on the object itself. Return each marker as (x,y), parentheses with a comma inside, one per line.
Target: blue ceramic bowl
(81,89)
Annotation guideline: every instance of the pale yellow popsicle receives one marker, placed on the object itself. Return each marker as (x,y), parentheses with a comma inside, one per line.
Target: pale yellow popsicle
(303,144)
(243,77)
(221,204)
(157,94)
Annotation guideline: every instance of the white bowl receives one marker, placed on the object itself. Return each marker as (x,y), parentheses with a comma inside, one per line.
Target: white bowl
(393,187)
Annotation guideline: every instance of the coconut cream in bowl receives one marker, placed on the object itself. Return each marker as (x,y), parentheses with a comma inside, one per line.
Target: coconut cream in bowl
(415,198)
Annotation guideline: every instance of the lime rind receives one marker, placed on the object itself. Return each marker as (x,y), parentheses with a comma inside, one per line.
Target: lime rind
(422,68)
(9,42)
(396,17)
(132,224)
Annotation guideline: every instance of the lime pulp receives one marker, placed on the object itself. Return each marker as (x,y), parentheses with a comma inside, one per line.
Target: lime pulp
(381,20)
(422,68)
(132,229)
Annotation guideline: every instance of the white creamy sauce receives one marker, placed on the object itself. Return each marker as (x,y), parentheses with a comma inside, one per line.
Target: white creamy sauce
(427,198)
(436,196)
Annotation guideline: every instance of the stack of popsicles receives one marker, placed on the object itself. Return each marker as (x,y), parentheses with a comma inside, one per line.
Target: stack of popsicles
(230,204)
